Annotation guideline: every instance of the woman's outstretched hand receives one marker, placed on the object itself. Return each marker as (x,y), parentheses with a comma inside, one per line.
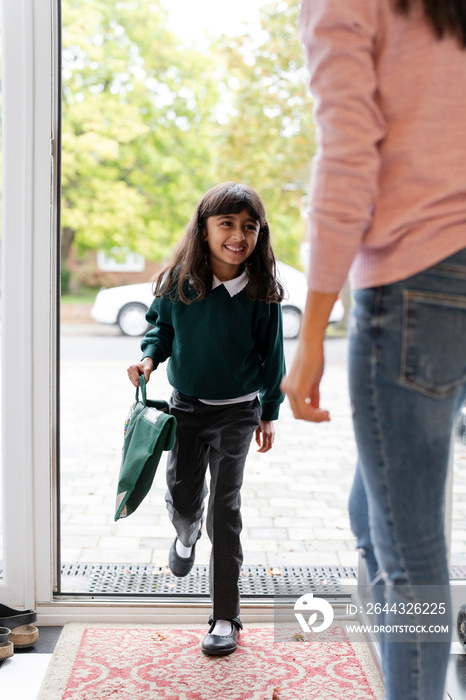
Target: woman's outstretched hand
(144,367)
(302,383)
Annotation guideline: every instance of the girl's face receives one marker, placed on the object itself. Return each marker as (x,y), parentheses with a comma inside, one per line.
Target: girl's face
(231,239)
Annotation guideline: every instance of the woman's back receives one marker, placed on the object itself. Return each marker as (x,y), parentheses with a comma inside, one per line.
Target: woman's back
(390,106)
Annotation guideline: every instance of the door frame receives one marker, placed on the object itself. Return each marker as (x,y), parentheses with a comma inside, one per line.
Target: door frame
(26,276)
(31,57)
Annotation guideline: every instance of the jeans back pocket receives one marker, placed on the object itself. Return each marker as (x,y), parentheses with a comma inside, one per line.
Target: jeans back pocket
(433,342)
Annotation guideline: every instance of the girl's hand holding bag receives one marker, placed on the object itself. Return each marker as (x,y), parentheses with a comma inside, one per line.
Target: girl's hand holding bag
(149,430)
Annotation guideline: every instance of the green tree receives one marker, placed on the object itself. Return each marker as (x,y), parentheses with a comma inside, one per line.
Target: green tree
(138,114)
(270,138)
(149,125)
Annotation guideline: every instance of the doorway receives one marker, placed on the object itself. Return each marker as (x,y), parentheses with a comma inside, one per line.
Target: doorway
(178,119)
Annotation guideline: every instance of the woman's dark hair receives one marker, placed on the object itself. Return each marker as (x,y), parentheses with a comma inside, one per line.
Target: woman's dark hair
(445,16)
(190,260)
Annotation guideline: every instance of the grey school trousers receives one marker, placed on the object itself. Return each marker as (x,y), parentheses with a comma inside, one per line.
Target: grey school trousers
(218,436)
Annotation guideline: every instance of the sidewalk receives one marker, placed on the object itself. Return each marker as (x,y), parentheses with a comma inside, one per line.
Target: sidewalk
(294,498)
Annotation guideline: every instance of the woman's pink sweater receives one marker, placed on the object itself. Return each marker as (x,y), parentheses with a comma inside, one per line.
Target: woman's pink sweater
(388,190)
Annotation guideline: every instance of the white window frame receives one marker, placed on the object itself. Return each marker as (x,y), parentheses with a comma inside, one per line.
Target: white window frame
(16,588)
(131,262)
(29,299)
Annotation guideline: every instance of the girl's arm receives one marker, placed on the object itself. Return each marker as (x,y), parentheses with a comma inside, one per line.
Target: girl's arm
(273,365)
(145,367)
(156,345)
(272,355)
(265,435)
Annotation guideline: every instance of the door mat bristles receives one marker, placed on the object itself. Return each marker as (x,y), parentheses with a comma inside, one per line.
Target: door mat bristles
(164,662)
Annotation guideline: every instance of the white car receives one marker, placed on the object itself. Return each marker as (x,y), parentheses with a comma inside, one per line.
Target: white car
(127,305)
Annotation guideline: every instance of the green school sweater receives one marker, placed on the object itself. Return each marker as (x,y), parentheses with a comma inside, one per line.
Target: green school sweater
(221,347)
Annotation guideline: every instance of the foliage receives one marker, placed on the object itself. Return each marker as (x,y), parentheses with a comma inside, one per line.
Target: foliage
(137,123)
(88,276)
(149,125)
(65,274)
(269,139)
(82,296)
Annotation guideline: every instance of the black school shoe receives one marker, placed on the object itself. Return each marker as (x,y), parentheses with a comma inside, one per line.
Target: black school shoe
(221,644)
(181,566)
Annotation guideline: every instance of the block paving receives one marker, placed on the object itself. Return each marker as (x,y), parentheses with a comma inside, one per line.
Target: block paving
(294,498)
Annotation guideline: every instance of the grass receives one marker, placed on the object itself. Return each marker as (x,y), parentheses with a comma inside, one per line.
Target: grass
(85,296)
(335,331)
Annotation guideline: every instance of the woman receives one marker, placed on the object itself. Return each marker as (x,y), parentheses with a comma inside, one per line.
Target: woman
(388,200)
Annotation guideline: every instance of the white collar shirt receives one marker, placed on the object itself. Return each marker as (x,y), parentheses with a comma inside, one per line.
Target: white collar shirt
(234,286)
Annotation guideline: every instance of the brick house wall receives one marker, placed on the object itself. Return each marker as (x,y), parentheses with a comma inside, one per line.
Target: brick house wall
(85,272)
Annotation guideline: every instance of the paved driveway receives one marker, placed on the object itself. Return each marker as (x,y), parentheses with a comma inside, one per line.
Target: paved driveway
(294,497)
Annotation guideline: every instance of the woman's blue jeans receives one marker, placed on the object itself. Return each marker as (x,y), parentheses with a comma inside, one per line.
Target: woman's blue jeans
(407,373)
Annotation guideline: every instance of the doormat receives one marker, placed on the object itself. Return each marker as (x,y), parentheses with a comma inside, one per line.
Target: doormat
(165,662)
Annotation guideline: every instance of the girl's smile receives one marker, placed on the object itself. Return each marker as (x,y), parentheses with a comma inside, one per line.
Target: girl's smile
(231,239)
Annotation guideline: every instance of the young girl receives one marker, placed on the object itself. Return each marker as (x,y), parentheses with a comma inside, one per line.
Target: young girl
(217,315)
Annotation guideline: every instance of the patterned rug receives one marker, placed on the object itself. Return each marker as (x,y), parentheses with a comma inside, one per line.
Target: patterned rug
(152,662)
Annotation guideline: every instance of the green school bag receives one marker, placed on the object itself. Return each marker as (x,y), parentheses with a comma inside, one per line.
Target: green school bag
(149,430)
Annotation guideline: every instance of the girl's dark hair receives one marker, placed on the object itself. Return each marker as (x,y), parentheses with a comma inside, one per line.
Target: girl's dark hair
(445,16)
(190,260)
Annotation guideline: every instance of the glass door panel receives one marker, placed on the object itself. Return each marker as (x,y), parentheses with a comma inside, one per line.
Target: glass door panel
(1,208)
(144,137)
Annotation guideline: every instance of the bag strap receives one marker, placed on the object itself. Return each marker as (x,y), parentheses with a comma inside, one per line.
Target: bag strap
(142,383)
